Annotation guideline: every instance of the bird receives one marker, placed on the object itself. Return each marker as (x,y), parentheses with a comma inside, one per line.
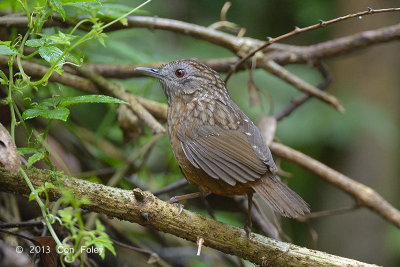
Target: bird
(217,146)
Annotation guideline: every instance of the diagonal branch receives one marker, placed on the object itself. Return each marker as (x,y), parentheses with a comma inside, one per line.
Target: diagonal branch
(363,194)
(145,209)
(295,103)
(302,85)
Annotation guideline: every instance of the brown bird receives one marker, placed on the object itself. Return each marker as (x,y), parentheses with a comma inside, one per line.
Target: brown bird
(216,145)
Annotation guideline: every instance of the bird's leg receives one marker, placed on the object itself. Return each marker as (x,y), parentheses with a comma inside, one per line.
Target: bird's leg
(247,226)
(187,196)
(208,206)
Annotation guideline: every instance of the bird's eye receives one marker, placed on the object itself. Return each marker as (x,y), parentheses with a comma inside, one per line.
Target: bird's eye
(180,73)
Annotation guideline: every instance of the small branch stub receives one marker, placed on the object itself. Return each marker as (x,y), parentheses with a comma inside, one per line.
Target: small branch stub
(199,243)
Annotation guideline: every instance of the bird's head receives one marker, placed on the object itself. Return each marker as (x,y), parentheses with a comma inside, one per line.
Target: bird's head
(186,79)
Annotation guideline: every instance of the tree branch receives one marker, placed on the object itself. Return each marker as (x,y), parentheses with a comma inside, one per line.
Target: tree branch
(120,92)
(36,70)
(338,46)
(145,209)
(363,194)
(295,103)
(378,205)
(298,30)
(302,85)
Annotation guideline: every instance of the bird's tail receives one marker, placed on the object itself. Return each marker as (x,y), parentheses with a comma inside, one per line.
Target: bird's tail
(280,197)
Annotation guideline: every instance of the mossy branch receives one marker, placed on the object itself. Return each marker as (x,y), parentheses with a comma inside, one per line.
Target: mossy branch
(145,209)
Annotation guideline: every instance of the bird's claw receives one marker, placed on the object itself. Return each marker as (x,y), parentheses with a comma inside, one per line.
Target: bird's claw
(180,208)
(174,200)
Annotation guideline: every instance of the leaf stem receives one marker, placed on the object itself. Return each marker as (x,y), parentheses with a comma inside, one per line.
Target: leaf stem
(42,208)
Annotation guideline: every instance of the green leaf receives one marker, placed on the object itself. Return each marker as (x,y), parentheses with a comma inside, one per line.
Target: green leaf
(8,50)
(55,107)
(66,101)
(99,226)
(58,6)
(51,54)
(46,111)
(40,190)
(26,150)
(36,42)
(7,43)
(74,59)
(3,78)
(66,215)
(82,5)
(60,38)
(32,195)
(35,158)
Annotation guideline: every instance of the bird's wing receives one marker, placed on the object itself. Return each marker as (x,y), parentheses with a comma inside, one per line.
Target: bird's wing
(255,139)
(223,154)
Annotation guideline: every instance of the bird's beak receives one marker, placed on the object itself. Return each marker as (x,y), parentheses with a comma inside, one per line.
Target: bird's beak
(148,71)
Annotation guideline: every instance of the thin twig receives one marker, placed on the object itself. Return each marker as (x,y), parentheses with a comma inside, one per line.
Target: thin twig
(140,250)
(120,92)
(302,85)
(324,213)
(294,104)
(21,224)
(363,194)
(298,30)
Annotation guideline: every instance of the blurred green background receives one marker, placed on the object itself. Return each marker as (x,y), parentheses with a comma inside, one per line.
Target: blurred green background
(362,143)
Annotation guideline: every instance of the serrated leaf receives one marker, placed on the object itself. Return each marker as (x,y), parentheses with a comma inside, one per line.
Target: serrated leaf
(58,7)
(74,59)
(8,50)
(46,111)
(35,158)
(61,38)
(51,54)
(101,250)
(110,247)
(36,42)
(66,214)
(99,226)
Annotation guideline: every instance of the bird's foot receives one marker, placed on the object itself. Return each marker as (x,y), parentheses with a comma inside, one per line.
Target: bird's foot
(174,201)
